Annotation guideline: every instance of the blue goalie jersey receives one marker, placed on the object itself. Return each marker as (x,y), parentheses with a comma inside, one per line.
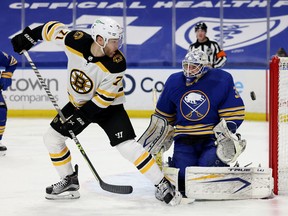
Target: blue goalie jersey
(195,109)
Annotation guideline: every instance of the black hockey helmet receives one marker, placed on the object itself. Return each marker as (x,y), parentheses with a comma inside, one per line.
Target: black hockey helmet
(201,25)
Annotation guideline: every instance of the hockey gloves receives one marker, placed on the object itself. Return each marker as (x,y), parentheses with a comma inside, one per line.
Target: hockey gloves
(77,119)
(76,123)
(229,145)
(24,40)
(5,80)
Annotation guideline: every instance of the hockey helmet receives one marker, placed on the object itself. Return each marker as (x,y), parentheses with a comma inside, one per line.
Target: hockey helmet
(201,25)
(107,28)
(195,64)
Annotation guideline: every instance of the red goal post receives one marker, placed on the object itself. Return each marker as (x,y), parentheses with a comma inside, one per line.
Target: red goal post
(278,123)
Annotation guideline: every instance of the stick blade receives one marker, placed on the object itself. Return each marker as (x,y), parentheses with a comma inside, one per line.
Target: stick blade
(119,189)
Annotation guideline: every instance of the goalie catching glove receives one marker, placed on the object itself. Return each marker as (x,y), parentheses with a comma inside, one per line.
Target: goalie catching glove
(229,147)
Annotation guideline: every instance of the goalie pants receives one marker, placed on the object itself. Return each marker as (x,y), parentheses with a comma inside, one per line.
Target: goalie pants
(193,151)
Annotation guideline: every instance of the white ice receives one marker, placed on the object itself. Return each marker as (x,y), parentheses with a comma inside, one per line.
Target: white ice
(26,170)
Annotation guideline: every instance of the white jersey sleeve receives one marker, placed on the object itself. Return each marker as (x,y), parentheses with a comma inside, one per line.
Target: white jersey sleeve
(55,31)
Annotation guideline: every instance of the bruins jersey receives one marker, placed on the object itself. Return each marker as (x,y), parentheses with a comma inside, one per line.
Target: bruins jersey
(89,78)
(194,110)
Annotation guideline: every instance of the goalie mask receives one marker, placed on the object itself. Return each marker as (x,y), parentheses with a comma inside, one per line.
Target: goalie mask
(195,64)
(107,28)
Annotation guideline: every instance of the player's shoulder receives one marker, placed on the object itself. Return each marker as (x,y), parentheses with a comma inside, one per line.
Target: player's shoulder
(115,64)
(175,78)
(78,40)
(212,42)
(220,74)
(7,59)
(194,45)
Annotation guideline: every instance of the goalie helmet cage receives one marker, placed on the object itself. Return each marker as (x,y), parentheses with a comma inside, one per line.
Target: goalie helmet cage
(278,123)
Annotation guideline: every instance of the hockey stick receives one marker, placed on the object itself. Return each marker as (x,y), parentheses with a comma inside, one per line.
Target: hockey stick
(120,189)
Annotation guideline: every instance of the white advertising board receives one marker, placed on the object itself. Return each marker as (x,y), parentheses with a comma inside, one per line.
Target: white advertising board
(26,92)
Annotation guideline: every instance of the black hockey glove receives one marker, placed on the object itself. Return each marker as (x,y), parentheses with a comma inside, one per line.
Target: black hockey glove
(77,123)
(24,40)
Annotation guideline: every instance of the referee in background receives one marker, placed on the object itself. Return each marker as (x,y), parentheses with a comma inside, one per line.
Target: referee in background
(216,56)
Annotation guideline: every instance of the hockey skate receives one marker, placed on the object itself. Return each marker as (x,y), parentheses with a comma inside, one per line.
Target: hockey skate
(166,192)
(67,188)
(3,149)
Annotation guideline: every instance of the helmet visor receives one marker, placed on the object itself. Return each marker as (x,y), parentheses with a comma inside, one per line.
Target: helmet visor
(191,69)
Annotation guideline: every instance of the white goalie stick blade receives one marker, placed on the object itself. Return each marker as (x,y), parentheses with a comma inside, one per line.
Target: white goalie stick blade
(67,195)
(187,201)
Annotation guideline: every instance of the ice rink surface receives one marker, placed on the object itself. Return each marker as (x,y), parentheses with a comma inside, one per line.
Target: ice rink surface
(26,170)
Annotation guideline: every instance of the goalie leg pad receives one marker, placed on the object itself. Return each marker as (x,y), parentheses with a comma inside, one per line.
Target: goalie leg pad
(159,134)
(227,183)
(172,175)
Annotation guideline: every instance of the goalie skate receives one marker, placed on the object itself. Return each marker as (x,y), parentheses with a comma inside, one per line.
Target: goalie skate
(67,188)
(3,150)
(167,192)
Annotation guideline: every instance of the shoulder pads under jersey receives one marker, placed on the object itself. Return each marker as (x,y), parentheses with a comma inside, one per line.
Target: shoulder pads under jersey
(79,41)
(116,64)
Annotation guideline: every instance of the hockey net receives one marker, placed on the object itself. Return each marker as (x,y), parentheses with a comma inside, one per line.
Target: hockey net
(278,123)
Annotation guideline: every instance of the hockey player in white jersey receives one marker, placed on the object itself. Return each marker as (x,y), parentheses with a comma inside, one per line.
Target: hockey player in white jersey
(95,72)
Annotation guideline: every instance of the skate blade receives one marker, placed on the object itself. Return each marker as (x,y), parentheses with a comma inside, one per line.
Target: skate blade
(67,195)
(2,153)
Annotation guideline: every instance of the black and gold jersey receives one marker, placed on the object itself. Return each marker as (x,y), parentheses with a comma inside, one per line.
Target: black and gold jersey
(89,78)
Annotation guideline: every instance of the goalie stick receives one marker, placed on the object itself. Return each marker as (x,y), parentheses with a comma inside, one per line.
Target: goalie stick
(120,189)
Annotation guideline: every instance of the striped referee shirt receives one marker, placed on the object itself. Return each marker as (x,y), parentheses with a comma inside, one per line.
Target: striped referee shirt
(216,57)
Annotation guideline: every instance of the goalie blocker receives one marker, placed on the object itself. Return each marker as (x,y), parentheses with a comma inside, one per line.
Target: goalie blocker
(224,183)
(158,135)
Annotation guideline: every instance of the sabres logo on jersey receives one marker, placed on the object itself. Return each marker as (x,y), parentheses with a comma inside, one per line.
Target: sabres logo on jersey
(194,105)
(80,83)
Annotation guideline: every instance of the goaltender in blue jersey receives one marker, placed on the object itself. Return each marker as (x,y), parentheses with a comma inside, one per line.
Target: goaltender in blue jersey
(194,101)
